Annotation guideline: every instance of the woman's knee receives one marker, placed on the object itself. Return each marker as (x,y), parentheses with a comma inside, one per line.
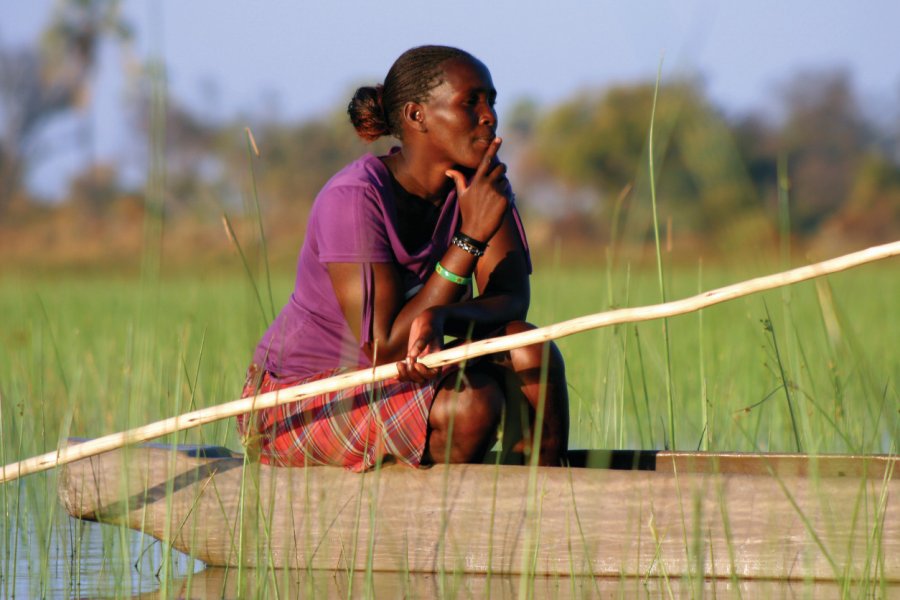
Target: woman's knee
(472,403)
(538,355)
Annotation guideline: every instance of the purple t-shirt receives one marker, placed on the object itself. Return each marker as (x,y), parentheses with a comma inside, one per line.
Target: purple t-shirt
(353,220)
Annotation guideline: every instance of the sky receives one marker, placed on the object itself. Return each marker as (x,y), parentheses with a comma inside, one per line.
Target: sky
(301,58)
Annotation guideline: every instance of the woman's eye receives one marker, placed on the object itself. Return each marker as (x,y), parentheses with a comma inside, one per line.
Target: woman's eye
(477,99)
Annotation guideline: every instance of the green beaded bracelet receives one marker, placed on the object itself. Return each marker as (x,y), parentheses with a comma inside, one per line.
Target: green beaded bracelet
(449,276)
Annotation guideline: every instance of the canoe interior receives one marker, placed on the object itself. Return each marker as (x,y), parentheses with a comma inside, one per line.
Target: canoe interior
(803,465)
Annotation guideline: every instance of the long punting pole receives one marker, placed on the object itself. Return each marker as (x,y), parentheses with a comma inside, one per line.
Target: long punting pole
(458,354)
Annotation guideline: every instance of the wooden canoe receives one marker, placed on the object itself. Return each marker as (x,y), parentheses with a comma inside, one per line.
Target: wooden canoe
(669,514)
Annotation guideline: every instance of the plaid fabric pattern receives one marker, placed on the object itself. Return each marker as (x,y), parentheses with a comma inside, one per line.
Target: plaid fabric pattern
(353,428)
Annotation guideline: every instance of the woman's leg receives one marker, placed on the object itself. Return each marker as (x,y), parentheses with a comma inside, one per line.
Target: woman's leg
(535,375)
(464,417)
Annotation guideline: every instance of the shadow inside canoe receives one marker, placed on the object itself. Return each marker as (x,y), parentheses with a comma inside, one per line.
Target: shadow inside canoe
(159,488)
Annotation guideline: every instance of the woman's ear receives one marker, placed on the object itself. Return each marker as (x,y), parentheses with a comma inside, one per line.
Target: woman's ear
(414,116)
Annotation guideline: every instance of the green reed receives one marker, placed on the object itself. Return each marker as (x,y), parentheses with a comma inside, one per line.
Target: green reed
(93,356)
(670,401)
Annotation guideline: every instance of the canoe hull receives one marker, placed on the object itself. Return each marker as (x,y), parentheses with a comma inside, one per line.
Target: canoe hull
(484,518)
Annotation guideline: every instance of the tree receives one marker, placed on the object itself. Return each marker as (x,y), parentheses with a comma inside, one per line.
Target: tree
(297,159)
(600,140)
(187,151)
(40,84)
(872,212)
(825,137)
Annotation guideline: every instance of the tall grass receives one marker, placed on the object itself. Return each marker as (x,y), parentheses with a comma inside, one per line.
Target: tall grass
(670,401)
(91,355)
(740,368)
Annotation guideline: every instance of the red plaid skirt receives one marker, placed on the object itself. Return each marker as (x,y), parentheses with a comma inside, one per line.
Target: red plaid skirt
(353,428)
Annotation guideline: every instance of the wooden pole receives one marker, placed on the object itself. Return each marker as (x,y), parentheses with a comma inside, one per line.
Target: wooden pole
(445,357)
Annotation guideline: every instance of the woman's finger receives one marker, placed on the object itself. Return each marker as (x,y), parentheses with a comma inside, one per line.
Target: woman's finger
(459,179)
(488,157)
(407,372)
(497,173)
(424,372)
(403,371)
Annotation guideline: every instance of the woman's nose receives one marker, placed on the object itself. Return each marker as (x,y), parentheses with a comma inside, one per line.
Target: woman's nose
(488,117)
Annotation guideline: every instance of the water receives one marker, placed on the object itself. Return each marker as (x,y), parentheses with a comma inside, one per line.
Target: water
(88,560)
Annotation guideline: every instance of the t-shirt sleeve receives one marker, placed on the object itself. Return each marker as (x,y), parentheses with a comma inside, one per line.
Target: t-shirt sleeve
(350,227)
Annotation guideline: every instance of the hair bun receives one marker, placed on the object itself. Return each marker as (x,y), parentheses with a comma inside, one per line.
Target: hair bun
(366,112)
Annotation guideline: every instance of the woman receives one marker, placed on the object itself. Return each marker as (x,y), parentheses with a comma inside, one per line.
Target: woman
(392,247)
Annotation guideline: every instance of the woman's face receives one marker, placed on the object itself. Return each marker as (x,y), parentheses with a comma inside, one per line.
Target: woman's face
(460,119)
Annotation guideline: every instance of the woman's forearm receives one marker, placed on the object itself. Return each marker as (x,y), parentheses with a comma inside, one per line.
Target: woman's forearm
(481,315)
(392,327)
(502,276)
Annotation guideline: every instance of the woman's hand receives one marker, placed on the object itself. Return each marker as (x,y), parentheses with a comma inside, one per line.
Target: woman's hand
(483,202)
(426,335)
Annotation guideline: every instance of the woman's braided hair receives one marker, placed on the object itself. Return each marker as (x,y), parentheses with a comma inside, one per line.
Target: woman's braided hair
(376,111)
